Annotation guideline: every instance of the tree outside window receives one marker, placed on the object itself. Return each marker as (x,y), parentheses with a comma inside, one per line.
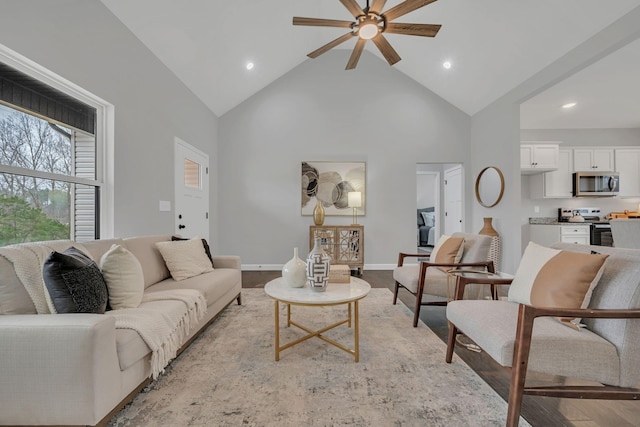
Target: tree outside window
(33,208)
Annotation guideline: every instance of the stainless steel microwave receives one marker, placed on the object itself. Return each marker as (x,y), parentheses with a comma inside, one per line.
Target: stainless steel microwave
(596,184)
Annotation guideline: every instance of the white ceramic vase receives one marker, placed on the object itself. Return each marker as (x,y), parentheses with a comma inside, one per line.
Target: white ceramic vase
(318,267)
(294,271)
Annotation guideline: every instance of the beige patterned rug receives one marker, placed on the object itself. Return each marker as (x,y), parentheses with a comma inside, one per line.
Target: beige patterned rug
(228,376)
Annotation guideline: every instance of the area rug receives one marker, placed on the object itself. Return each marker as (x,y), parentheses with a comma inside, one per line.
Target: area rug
(229,376)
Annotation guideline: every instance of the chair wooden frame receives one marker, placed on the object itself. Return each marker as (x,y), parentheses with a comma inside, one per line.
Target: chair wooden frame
(524,331)
(488,265)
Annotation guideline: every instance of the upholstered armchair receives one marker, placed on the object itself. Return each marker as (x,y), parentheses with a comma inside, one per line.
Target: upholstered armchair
(428,279)
(525,337)
(626,233)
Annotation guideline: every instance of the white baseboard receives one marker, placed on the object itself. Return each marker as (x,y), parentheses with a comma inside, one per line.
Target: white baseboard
(278,267)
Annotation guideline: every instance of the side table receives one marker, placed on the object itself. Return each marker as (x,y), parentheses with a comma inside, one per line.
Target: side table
(466,277)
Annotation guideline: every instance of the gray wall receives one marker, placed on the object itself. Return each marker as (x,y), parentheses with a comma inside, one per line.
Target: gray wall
(83,42)
(318,111)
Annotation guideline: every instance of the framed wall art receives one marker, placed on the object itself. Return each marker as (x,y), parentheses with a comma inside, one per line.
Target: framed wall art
(331,183)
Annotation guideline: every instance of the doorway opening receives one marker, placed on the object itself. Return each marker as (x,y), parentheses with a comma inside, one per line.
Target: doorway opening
(439,190)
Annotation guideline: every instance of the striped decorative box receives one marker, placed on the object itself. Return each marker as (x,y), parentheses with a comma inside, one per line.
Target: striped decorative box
(339,274)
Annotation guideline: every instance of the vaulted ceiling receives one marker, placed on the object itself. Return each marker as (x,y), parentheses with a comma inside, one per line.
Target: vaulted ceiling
(492,45)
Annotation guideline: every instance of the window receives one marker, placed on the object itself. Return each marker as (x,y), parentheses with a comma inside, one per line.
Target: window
(56,153)
(41,197)
(192,174)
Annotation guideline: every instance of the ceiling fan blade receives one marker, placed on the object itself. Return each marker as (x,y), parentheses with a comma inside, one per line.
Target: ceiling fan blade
(331,45)
(353,7)
(424,30)
(355,55)
(315,22)
(404,8)
(376,6)
(387,51)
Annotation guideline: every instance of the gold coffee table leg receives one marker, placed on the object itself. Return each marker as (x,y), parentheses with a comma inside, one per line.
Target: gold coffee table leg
(277,334)
(356,331)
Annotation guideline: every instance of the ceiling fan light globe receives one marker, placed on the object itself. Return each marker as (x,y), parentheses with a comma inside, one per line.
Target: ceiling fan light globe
(368,31)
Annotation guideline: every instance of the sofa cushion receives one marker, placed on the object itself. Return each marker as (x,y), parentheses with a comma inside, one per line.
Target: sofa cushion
(549,277)
(74,283)
(14,298)
(185,258)
(123,273)
(153,265)
(213,284)
(555,348)
(97,248)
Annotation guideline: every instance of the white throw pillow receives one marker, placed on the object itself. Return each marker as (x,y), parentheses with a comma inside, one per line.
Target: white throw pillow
(185,258)
(123,273)
(429,218)
(548,277)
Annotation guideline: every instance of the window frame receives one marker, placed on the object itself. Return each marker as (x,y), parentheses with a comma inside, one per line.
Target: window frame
(104,135)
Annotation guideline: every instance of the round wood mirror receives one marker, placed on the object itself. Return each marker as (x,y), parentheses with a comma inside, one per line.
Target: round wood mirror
(489,186)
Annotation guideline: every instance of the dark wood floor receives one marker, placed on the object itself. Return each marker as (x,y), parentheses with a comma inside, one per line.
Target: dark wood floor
(539,411)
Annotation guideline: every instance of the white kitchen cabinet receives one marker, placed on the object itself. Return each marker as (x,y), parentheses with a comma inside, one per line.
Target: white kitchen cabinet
(628,166)
(578,234)
(538,158)
(544,234)
(593,160)
(555,184)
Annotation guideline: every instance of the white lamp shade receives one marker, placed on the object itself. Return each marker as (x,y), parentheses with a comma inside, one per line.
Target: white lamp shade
(354,199)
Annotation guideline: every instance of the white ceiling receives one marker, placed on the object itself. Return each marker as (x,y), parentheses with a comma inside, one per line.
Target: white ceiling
(494,45)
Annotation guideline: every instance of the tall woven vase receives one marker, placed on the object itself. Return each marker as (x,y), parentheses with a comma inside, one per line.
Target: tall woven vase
(495,249)
(318,267)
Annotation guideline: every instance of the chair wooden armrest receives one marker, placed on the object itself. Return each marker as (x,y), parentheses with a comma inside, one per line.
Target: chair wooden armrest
(524,331)
(534,312)
(403,255)
(486,264)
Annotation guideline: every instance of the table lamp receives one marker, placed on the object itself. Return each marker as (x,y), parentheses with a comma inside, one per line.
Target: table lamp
(354,201)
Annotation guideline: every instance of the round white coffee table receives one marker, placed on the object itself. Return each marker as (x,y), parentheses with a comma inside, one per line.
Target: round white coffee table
(335,294)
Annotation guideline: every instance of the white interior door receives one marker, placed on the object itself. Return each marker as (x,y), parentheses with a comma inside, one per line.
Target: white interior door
(191,191)
(453,200)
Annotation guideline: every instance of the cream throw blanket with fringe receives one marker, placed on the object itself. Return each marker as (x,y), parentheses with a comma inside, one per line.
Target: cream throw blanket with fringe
(163,320)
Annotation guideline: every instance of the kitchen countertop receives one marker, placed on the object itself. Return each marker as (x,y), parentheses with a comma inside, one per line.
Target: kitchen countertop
(544,220)
(554,221)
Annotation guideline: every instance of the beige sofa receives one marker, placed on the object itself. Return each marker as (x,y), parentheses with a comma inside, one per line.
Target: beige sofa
(79,369)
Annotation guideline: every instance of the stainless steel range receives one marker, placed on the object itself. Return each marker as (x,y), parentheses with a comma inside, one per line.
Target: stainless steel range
(600,228)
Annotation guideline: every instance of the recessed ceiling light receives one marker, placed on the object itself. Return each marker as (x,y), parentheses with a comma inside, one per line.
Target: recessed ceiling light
(446,64)
(249,65)
(569,105)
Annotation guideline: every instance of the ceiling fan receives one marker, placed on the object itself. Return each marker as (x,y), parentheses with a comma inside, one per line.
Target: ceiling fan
(370,24)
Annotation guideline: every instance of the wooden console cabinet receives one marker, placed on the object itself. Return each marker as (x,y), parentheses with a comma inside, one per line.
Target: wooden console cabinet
(343,243)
